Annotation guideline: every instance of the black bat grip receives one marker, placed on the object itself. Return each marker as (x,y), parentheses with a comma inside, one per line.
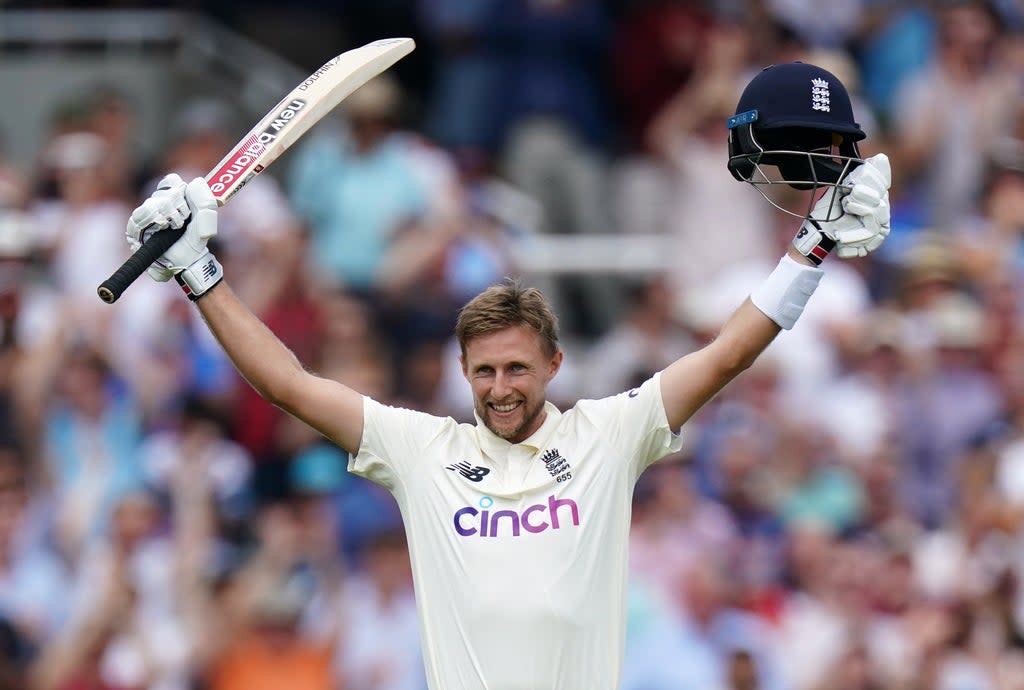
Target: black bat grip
(137,263)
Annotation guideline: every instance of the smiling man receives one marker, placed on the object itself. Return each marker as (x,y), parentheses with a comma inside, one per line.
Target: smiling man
(517,525)
(514,354)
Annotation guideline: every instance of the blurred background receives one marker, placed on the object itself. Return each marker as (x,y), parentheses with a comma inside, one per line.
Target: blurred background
(845,516)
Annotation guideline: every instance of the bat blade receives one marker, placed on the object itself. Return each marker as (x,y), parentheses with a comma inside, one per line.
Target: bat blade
(292,117)
(281,127)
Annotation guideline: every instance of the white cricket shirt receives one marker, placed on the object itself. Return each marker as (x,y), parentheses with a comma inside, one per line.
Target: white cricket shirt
(519,551)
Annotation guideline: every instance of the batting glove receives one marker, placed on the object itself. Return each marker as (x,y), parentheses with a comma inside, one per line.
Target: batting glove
(188,260)
(864,223)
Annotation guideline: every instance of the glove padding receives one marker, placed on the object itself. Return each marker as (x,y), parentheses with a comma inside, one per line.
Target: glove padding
(864,224)
(172,205)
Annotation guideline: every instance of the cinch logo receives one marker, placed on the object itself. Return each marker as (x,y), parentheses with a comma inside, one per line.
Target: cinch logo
(469,521)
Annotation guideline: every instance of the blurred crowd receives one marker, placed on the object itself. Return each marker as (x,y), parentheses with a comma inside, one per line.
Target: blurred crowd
(845,516)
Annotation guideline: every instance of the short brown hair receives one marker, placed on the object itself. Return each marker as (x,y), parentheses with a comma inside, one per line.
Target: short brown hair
(504,306)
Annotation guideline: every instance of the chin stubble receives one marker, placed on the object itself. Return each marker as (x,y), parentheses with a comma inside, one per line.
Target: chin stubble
(529,418)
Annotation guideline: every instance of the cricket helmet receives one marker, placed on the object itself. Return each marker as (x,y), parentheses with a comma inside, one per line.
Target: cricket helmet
(798,118)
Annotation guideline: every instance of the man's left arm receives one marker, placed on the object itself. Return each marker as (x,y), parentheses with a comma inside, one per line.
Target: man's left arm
(775,305)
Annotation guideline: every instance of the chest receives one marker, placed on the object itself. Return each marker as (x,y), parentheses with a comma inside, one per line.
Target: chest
(523,495)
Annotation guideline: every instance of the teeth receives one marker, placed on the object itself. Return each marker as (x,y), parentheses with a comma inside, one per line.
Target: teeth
(505,408)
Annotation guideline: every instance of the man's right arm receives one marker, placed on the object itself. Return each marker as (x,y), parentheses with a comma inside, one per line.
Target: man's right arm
(333,409)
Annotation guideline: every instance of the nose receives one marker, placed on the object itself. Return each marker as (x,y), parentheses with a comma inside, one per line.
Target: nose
(501,387)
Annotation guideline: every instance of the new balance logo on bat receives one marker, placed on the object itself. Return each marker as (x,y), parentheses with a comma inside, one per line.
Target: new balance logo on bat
(470,472)
(282,119)
(221,181)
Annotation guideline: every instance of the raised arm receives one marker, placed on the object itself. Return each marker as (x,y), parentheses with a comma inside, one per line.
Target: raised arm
(689,382)
(694,379)
(333,409)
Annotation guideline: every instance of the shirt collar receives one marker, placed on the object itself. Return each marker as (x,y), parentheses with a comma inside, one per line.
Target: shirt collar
(496,445)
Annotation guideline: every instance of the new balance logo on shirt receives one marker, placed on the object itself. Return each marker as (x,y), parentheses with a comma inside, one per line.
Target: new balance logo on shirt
(470,472)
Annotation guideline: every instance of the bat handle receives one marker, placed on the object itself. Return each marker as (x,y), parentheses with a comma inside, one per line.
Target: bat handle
(138,262)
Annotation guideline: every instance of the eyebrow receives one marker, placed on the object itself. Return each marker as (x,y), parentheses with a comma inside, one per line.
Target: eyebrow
(512,363)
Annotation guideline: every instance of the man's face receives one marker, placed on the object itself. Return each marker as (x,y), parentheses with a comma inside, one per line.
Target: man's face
(509,373)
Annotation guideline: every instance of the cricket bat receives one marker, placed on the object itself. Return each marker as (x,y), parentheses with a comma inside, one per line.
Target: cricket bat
(308,102)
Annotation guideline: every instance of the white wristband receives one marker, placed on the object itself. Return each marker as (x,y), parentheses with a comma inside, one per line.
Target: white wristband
(784,294)
(203,274)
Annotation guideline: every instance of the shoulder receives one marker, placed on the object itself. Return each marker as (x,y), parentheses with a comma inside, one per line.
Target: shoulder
(613,407)
(392,419)
(377,408)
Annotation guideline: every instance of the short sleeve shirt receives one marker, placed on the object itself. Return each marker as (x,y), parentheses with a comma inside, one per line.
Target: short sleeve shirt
(519,551)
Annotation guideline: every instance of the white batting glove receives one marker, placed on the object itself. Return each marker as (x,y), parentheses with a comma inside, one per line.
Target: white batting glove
(165,208)
(188,260)
(864,224)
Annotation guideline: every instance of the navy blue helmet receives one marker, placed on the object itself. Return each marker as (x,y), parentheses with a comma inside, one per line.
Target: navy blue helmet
(798,118)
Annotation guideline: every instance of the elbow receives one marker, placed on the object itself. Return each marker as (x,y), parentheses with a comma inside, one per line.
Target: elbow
(283,391)
(733,368)
(733,360)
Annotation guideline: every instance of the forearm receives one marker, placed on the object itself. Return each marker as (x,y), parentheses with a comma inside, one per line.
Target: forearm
(333,409)
(756,323)
(743,337)
(258,355)
(693,380)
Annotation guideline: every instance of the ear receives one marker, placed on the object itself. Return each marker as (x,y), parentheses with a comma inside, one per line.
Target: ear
(555,364)
(462,363)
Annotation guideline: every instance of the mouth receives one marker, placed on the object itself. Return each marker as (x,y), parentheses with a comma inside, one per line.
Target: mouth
(505,408)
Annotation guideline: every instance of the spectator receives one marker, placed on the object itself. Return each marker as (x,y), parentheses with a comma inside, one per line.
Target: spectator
(949,115)
(700,637)
(380,651)
(112,115)
(92,434)
(686,133)
(555,129)
(197,450)
(35,584)
(124,634)
(814,484)
(949,401)
(896,39)
(74,228)
(849,515)
(643,340)
(467,82)
(270,652)
(257,641)
(358,188)
(673,528)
